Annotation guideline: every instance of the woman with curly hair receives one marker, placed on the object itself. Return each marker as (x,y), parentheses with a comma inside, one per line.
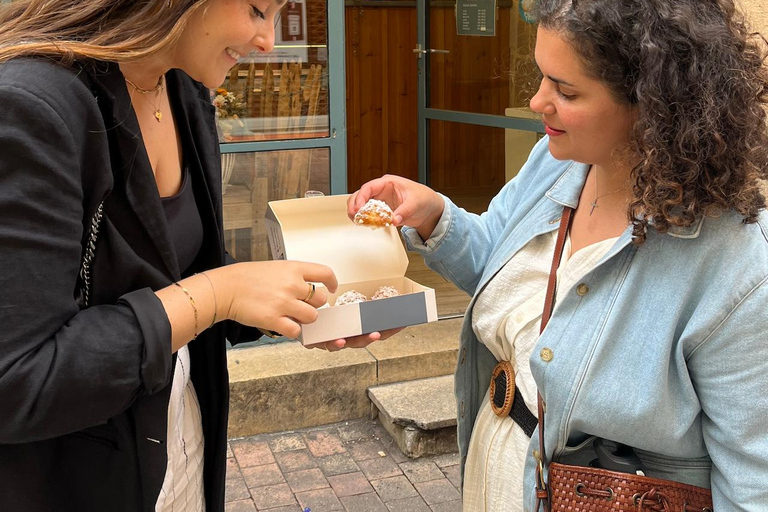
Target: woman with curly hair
(116,300)
(656,137)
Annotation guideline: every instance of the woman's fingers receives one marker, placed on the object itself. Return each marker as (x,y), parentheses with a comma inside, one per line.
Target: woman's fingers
(360,341)
(314,272)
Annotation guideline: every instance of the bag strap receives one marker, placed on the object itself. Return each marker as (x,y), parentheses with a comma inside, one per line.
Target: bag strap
(542,494)
(84,292)
(83,296)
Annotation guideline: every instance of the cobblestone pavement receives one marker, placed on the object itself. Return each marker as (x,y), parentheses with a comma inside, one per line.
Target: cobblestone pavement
(352,466)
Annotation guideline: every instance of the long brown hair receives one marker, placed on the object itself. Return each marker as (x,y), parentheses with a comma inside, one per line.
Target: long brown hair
(111,30)
(697,75)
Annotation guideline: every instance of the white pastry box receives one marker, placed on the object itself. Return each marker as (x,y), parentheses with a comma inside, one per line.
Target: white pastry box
(317,229)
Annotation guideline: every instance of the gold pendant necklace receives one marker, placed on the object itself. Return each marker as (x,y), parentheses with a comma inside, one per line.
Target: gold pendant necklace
(156,89)
(593,204)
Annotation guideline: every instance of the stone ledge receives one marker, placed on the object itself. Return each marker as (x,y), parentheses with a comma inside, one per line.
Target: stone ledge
(427,404)
(420,415)
(285,386)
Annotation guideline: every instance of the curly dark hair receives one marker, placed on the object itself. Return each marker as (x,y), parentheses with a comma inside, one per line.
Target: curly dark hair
(697,76)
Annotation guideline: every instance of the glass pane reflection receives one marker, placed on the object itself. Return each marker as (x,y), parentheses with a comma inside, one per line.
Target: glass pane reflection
(282,94)
(250,180)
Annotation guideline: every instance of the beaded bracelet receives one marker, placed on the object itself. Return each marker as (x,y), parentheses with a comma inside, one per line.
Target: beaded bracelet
(194,307)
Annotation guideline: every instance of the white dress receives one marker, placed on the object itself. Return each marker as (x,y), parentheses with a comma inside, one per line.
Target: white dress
(182,489)
(506,319)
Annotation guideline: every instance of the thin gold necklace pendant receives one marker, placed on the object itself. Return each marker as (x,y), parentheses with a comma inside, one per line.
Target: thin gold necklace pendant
(593,205)
(158,115)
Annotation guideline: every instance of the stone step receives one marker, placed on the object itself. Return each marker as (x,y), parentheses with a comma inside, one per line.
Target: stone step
(420,415)
(274,388)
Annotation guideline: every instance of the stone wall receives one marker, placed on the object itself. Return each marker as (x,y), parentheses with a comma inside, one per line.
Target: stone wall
(757,11)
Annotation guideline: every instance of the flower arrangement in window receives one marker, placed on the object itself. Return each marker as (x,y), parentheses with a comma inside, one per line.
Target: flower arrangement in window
(230,109)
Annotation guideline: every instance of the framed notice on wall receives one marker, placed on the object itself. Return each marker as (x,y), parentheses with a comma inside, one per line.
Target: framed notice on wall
(290,36)
(476,17)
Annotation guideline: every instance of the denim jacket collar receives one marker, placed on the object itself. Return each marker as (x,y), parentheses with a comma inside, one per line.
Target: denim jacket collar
(567,189)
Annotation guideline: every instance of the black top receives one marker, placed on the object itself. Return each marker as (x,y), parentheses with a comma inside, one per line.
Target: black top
(184,222)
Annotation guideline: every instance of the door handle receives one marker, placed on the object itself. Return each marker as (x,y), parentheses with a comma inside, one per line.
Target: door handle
(419,51)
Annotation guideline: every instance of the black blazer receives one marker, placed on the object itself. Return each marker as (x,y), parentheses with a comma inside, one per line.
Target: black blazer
(84,394)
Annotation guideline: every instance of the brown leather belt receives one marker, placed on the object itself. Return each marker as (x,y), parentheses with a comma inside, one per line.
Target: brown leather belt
(506,399)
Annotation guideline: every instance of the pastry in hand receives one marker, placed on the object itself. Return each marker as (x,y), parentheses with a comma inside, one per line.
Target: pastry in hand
(350,297)
(374,214)
(385,292)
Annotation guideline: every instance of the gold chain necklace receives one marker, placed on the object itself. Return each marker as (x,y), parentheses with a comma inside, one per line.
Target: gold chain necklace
(158,89)
(593,204)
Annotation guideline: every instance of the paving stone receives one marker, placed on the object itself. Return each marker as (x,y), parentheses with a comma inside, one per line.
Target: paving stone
(356,431)
(252,453)
(437,491)
(447,459)
(287,443)
(394,488)
(306,480)
(421,471)
(380,467)
(272,496)
(368,449)
(259,476)
(240,506)
(288,472)
(395,453)
(295,460)
(363,503)
(321,500)
(350,484)
(448,506)
(337,464)
(390,446)
(233,470)
(235,489)
(323,443)
(415,504)
(453,473)
(230,453)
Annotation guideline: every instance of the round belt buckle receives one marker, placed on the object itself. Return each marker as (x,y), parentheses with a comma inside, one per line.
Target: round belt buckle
(502,392)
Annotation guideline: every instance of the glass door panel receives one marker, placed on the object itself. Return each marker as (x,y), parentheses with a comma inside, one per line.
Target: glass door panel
(282,94)
(480,74)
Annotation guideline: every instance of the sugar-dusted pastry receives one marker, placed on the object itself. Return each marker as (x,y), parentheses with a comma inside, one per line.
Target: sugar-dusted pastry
(350,297)
(385,292)
(374,214)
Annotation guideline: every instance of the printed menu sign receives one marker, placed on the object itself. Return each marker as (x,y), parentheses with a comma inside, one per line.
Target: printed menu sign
(476,17)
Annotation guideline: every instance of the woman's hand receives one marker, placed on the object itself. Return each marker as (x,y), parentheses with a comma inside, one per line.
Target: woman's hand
(413,204)
(272,295)
(361,341)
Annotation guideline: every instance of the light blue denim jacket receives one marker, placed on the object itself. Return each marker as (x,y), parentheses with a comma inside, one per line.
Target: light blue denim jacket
(667,352)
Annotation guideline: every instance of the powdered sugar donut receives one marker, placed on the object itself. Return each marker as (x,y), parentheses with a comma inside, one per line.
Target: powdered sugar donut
(375,214)
(350,297)
(385,292)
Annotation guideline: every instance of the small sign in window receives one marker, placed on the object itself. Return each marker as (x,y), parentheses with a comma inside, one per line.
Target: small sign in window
(476,17)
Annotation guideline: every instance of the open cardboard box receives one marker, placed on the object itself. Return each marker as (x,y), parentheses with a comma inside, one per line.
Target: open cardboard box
(317,229)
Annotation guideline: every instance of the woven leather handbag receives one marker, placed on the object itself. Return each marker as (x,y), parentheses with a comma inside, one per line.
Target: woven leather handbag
(586,489)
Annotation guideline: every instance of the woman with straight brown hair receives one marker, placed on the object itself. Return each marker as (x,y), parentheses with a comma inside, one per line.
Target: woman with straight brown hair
(113,378)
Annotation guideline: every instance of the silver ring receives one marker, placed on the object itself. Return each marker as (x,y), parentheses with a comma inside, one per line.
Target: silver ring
(311,292)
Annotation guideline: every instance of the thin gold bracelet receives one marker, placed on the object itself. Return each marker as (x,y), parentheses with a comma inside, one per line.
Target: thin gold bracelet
(194,307)
(215,304)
